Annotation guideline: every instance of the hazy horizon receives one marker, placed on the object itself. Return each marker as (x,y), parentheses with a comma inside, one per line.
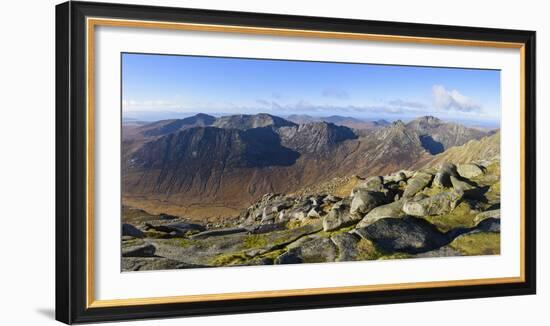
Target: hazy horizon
(152,116)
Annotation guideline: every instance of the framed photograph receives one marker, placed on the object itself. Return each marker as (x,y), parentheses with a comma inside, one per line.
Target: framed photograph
(213,162)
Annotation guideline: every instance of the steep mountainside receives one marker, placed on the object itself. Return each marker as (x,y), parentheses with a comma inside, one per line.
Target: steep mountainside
(314,136)
(165,127)
(484,149)
(437,136)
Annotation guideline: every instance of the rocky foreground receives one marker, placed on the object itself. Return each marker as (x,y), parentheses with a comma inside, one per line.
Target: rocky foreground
(432,212)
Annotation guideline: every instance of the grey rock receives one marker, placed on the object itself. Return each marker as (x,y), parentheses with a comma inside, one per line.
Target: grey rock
(137,249)
(445,251)
(442,178)
(385,211)
(132,231)
(417,183)
(219,232)
(331,199)
(375,183)
(487,214)
(409,234)
(203,251)
(152,264)
(488,225)
(177,229)
(338,217)
(438,204)
(313,249)
(396,177)
(265,228)
(347,246)
(461,186)
(364,201)
(314,213)
(469,170)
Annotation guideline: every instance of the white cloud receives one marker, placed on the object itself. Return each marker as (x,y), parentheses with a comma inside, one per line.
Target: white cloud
(448,100)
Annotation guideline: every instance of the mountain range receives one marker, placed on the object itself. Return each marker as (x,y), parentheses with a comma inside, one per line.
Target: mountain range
(208,168)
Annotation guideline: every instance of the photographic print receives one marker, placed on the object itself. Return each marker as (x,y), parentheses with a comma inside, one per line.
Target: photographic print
(243,161)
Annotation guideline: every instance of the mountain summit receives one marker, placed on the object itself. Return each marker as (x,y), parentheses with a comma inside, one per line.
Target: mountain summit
(245,121)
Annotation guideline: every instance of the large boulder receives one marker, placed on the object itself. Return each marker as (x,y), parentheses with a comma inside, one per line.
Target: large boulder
(364,201)
(417,183)
(495,213)
(375,183)
(442,178)
(469,170)
(131,231)
(347,246)
(338,217)
(312,249)
(230,249)
(409,235)
(385,211)
(175,229)
(133,248)
(438,204)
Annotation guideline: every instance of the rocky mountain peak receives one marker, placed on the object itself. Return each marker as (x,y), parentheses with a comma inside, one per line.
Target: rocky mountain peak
(429,120)
(314,136)
(165,127)
(246,121)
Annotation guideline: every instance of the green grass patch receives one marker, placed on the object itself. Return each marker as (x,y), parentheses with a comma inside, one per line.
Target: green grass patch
(395,255)
(180,242)
(229,259)
(487,243)
(367,251)
(255,241)
(462,215)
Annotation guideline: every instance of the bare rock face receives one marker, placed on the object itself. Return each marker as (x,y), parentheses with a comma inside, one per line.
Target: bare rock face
(437,135)
(438,204)
(245,121)
(314,136)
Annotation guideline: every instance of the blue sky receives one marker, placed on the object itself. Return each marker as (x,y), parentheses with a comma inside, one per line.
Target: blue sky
(190,84)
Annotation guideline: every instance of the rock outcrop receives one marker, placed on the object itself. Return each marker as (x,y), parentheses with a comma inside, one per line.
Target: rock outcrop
(446,211)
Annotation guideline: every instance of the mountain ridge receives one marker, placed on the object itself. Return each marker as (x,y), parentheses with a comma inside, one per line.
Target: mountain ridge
(250,155)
